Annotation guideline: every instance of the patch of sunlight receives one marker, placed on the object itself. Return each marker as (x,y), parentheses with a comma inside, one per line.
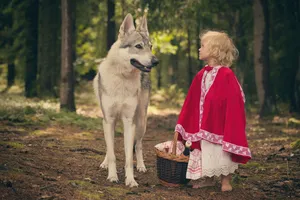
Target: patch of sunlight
(154,110)
(257,129)
(51,144)
(38,133)
(277,139)
(21,129)
(115,191)
(81,135)
(97,157)
(47,131)
(294,121)
(15,89)
(17,101)
(15,145)
(290,131)
(91,195)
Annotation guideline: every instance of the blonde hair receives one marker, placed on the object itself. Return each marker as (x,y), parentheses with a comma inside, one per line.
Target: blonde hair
(220,47)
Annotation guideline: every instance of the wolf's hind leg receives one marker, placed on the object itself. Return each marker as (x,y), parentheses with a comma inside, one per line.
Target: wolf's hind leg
(110,157)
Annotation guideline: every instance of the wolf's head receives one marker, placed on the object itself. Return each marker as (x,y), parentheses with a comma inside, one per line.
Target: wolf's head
(134,46)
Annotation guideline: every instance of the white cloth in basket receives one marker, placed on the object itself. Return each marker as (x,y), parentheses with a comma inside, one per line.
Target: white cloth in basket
(167,147)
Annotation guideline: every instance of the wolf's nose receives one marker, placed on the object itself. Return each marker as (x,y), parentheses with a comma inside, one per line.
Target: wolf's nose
(154,61)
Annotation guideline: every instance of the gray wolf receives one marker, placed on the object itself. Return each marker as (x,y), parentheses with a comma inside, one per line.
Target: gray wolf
(122,86)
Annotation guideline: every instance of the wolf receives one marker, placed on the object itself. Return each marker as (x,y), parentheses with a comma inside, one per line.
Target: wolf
(122,86)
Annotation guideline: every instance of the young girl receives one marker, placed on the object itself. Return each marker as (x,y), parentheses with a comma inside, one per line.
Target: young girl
(213,115)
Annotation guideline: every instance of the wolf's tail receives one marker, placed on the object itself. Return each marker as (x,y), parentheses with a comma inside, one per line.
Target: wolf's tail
(96,87)
(96,80)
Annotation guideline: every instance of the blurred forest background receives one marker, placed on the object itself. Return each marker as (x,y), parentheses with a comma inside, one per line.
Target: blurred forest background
(33,34)
(49,52)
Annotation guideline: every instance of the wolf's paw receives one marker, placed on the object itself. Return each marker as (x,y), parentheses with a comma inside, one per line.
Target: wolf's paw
(104,165)
(141,168)
(131,183)
(113,179)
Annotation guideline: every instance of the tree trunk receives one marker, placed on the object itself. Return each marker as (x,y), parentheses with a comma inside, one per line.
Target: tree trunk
(11,73)
(261,56)
(190,65)
(175,64)
(67,100)
(294,18)
(111,24)
(31,49)
(49,47)
(159,76)
(295,99)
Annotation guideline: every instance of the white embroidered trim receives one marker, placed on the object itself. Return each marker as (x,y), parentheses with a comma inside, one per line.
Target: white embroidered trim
(214,138)
(205,90)
(235,149)
(242,92)
(224,170)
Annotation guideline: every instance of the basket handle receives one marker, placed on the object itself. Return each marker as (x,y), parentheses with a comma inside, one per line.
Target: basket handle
(174,143)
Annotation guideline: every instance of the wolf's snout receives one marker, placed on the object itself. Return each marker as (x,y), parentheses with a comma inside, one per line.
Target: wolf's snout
(154,61)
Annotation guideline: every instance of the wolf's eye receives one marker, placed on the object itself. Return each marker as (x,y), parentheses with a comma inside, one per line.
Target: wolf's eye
(138,46)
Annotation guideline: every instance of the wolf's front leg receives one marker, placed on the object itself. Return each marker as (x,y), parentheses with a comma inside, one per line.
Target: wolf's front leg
(110,158)
(139,156)
(129,131)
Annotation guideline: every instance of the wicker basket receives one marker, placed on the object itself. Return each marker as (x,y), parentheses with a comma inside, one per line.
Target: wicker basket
(171,168)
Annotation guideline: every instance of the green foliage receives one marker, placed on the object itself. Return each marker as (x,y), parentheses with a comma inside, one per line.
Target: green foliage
(161,42)
(168,23)
(90,23)
(296,144)
(15,145)
(172,95)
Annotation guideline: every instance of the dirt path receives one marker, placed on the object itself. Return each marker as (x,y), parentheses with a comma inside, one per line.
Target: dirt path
(55,162)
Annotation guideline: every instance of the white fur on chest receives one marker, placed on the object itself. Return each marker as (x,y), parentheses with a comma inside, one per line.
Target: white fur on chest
(121,89)
(120,85)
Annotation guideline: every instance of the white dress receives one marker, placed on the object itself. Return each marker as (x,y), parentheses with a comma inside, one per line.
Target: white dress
(214,161)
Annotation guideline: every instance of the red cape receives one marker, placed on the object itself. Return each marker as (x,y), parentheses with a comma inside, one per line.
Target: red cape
(216,114)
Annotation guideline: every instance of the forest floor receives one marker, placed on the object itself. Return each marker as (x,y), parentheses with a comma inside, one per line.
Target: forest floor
(50,155)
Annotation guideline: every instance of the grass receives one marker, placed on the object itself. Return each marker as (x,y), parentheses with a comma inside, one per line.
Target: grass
(15,145)
(296,144)
(90,195)
(24,111)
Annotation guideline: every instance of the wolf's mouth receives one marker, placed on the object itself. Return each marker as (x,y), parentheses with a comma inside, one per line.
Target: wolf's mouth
(139,66)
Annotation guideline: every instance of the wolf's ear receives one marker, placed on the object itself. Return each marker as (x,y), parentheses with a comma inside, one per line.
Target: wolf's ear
(143,27)
(127,25)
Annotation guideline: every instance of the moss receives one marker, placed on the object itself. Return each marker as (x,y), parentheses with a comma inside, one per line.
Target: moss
(252,165)
(296,144)
(37,133)
(15,145)
(91,195)
(86,135)
(97,157)
(117,192)
(83,184)
(24,111)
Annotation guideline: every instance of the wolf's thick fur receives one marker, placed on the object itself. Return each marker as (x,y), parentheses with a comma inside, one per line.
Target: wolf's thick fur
(122,86)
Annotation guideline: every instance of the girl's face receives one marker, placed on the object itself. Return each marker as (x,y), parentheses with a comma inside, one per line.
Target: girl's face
(203,51)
